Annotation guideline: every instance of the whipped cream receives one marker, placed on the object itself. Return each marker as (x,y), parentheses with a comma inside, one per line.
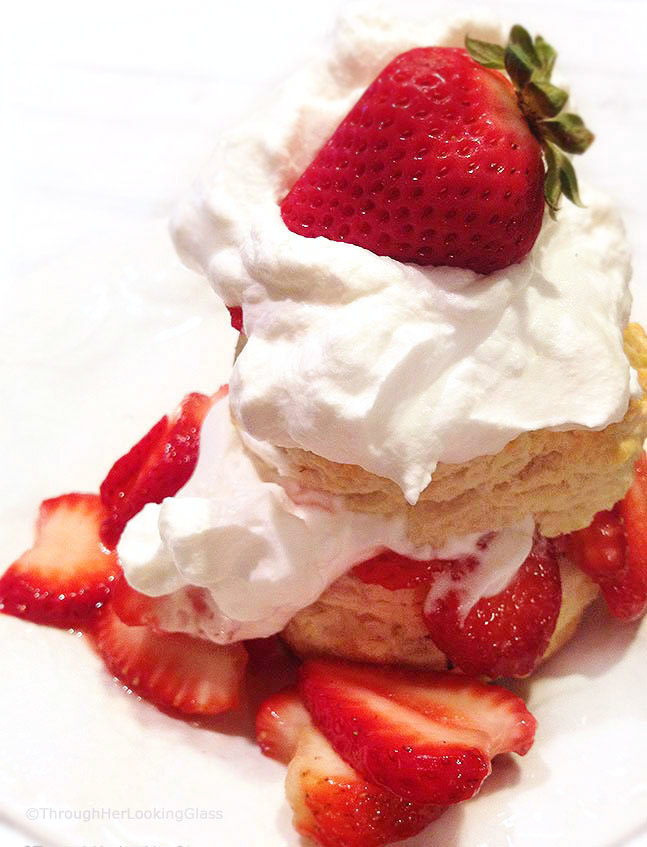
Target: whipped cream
(263,549)
(390,366)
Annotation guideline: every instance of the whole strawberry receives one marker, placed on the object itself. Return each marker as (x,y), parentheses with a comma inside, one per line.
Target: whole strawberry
(444,160)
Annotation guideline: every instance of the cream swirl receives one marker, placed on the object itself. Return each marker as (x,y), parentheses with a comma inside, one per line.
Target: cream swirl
(390,366)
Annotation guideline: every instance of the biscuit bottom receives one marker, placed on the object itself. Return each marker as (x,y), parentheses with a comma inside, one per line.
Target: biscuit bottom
(368,623)
(561,478)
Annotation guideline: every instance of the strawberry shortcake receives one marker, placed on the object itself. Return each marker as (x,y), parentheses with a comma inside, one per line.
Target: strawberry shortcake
(428,461)
(433,334)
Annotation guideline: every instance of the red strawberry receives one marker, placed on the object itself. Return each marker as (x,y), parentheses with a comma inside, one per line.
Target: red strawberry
(279,723)
(236,317)
(67,575)
(134,608)
(335,807)
(157,466)
(613,550)
(173,671)
(427,737)
(600,550)
(187,609)
(506,634)
(332,803)
(268,652)
(440,161)
(393,571)
(633,509)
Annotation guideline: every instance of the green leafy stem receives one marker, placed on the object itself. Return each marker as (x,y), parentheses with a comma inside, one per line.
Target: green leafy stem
(529,64)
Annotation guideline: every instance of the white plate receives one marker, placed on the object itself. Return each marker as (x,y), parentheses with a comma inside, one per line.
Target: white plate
(102,348)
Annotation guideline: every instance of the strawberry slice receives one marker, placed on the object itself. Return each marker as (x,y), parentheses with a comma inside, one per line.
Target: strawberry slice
(67,575)
(613,550)
(505,634)
(393,571)
(132,607)
(189,610)
(634,511)
(426,737)
(332,803)
(184,610)
(269,653)
(137,609)
(600,550)
(279,723)
(236,317)
(630,598)
(173,671)
(335,807)
(157,466)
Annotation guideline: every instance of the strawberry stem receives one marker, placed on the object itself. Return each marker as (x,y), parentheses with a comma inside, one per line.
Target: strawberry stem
(529,65)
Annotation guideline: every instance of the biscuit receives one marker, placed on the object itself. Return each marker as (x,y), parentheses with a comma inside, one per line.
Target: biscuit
(368,623)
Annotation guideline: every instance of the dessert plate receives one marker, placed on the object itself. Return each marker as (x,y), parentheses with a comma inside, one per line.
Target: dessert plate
(93,350)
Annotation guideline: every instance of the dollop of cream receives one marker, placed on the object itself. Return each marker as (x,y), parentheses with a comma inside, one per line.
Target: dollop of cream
(263,549)
(391,366)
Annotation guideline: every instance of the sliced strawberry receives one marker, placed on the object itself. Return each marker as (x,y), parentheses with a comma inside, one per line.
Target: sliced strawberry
(427,737)
(279,723)
(335,807)
(626,599)
(157,466)
(634,511)
(613,550)
(631,602)
(506,634)
(393,571)
(236,317)
(268,652)
(67,575)
(600,550)
(174,671)
(123,473)
(184,610)
(134,608)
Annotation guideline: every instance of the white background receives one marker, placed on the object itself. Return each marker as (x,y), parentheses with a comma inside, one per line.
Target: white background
(109,108)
